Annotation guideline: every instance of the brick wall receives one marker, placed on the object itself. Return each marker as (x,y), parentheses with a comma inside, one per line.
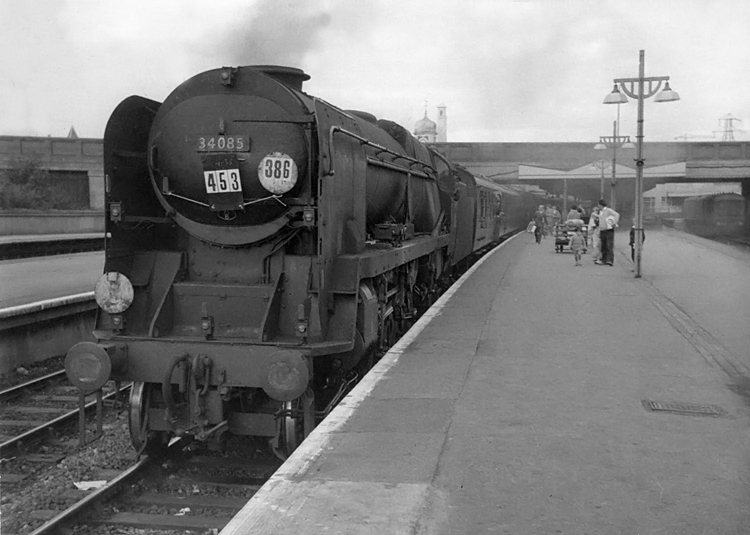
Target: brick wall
(60,154)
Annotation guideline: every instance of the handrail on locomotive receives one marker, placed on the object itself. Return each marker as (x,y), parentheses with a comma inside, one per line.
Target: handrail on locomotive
(331,171)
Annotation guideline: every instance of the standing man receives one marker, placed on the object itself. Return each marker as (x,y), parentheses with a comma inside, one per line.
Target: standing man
(556,217)
(632,242)
(539,222)
(608,220)
(594,233)
(549,220)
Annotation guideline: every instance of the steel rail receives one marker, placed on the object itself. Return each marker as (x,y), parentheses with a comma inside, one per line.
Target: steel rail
(15,391)
(54,524)
(15,442)
(114,486)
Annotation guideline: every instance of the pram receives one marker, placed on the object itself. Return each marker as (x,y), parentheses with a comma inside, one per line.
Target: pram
(564,231)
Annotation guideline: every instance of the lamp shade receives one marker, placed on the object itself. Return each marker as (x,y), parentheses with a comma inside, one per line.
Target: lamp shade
(667,95)
(615,97)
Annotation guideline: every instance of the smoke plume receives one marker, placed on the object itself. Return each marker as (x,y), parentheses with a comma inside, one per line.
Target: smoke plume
(276,33)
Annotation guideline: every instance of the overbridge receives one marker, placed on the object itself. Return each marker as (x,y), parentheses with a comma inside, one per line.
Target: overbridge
(550,165)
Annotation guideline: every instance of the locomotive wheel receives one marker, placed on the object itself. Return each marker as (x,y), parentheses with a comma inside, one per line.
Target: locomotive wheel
(294,429)
(390,334)
(152,442)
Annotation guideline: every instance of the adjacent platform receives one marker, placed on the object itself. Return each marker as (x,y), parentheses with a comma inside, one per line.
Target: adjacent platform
(30,280)
(46,306)
(532,400)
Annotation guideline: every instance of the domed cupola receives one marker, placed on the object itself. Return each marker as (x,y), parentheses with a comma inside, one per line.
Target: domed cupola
(425,129)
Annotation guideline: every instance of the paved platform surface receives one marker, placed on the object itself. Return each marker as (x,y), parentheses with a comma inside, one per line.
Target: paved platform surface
(519,406)
(29,280)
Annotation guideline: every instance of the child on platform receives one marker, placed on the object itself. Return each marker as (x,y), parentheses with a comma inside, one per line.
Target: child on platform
(577,245)
(632,241)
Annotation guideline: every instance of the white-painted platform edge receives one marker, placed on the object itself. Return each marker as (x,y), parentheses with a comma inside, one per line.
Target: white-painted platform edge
(38,306)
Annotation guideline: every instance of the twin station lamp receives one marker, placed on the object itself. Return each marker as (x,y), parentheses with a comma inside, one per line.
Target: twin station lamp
(640,88)
(613,142)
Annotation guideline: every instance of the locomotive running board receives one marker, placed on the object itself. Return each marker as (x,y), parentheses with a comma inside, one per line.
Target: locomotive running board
(350,269)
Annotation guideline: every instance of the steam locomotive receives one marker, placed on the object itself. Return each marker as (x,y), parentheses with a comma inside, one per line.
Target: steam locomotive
(266,247)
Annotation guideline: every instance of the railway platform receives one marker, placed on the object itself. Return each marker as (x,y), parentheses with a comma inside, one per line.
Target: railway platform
(30,280)
(538,397)
(46,306)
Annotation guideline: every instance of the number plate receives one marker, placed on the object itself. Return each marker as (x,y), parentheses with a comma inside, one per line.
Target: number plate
(222,144)
(222,180)
(278,173)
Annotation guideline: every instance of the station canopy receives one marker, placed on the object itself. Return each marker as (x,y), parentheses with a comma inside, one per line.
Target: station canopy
(591,172)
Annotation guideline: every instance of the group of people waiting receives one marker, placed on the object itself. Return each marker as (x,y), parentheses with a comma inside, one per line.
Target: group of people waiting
(545,221)
(601,224)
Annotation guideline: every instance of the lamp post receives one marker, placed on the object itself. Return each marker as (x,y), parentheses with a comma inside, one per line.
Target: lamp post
(601,165)
(613,142)
(636,88)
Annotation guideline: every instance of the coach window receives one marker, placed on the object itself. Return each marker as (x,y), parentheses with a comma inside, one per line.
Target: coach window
(481,209)
(486,203)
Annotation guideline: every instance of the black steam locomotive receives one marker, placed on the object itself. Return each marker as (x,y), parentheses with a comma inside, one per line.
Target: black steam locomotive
(265,248)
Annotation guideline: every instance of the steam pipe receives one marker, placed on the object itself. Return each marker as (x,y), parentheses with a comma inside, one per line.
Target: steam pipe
(166,385)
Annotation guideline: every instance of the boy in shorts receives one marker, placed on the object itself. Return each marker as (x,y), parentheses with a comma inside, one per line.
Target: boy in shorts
(577,245)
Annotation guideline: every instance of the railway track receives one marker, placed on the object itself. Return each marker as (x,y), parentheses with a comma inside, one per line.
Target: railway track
(741,242)
(188,493)
(738,240)
(15,391)
(33,413)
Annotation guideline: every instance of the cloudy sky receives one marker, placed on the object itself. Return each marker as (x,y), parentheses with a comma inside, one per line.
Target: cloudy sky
(507,70)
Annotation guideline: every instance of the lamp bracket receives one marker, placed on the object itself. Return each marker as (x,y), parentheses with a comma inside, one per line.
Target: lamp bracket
(629,87)
(601,164)
(614,141)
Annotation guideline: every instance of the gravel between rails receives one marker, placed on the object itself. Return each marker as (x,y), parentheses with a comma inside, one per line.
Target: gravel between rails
(24,373)
(49,486)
